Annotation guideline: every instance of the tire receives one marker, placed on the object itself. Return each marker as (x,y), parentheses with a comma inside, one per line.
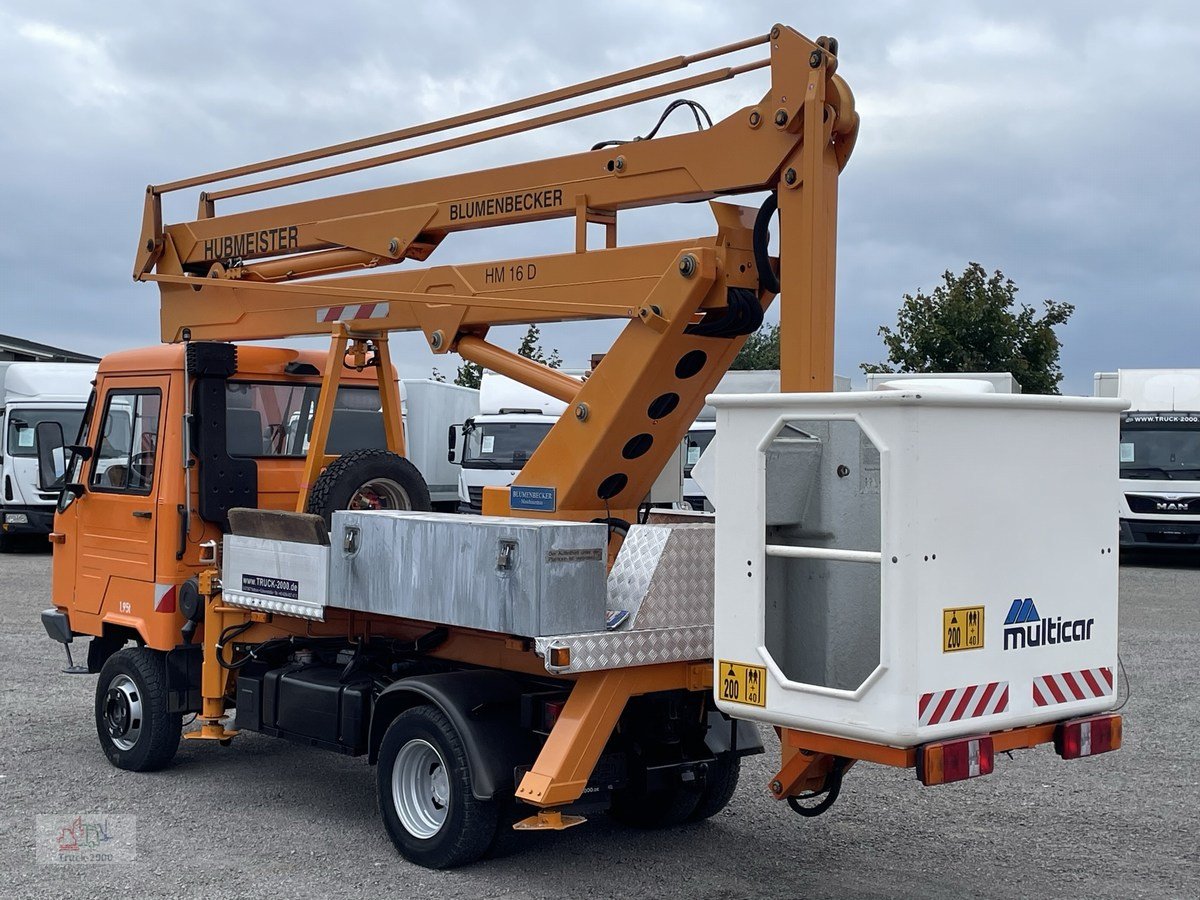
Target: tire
(136,731)
(637,807)
(368,479)
(655,809)
(425,797)
(720,783)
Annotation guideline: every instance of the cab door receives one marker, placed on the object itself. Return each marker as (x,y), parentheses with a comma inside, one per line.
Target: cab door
(117,512)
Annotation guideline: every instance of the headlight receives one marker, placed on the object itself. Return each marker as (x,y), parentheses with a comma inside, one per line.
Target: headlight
(16,519)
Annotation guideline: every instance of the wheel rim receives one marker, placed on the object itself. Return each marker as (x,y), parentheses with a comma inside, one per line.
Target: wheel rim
(123,712)
(380,493)
(420,789)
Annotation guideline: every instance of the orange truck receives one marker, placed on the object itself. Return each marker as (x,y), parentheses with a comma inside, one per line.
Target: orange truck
(238,528)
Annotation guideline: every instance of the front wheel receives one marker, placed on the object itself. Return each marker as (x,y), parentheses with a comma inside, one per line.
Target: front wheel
(136,730)
(425,795)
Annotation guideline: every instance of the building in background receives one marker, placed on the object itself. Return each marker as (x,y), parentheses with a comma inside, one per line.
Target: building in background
(15,349)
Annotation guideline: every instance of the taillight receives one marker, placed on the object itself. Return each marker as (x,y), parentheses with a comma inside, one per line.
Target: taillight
(1087,737)
(551,710)
(956,760)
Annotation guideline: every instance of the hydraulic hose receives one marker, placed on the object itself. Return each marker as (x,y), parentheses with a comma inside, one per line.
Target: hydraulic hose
(768,280)
(829,793)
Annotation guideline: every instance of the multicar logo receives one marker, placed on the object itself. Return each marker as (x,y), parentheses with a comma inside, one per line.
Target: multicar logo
(1023,627)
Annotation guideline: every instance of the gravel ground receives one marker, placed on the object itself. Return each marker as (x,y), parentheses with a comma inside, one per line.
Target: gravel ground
(268,818)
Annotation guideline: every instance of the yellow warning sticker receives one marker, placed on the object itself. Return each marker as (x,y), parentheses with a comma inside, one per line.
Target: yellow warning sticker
(743,683)
(962,628)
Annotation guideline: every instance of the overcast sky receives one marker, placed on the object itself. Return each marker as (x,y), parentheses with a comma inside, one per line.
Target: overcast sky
(1054,141)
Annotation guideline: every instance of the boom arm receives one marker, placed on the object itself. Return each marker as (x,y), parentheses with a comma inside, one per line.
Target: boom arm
(257,274)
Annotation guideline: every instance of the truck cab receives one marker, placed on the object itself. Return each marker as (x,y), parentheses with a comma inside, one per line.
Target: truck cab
(31,393)
(128,488)
(512,421)
(1159,456)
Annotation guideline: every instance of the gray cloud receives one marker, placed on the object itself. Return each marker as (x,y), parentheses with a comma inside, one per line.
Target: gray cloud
(1053,141)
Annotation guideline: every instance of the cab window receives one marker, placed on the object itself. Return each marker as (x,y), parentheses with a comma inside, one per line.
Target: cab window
(128,444)
(273,419)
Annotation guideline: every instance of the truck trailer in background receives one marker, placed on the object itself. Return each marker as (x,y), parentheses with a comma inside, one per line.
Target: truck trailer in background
(1159,455)
(493,445)
(33,392)
(430,407)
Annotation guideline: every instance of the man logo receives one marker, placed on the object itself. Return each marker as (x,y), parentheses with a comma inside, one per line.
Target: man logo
(1023,627)
(1171,506)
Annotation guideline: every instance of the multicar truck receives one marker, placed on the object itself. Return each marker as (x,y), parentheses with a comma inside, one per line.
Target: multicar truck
(1159,493)
(30,393)
(844,596)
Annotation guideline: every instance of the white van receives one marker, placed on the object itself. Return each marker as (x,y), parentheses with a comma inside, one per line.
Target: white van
(33,392)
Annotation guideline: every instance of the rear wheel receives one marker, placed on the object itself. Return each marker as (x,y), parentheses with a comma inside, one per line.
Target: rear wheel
(640,806)
(720,783)
(136,730)
(654,809)
(425,793)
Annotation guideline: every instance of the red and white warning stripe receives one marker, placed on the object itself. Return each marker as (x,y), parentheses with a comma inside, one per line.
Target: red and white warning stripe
(352,311)
(1086,684)
(164,597)
(969,702)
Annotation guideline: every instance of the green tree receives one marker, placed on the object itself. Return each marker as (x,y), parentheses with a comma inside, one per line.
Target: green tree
(972,323)
(761,350)
(531,348)
(471,375)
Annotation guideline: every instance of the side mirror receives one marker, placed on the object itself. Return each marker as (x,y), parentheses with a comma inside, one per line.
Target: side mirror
(51,455)
(452,443)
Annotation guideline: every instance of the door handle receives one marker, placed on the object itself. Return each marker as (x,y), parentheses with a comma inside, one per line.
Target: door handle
(142,514)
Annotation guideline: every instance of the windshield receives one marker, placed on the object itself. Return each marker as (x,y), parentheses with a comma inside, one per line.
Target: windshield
(697,443)
(502,445)
(22,422)
(1171,453)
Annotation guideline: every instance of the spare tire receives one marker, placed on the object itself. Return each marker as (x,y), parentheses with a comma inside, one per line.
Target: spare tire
(368,479)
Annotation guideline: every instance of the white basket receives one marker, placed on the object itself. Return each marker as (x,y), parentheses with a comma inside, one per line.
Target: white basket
(891,517)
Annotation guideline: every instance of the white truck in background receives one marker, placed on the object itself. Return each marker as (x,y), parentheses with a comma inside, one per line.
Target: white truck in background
(498,436)
(704,429)
(957,382)
(429,407)
(1159,455)
(33,392)
(492,445)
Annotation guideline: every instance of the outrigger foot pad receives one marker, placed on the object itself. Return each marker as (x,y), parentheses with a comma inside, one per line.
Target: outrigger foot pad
(71,668)
(213,730)
(548,820)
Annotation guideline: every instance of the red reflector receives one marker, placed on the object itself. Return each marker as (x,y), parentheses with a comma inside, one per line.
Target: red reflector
(165,600)
(1087,737)
(956,760)
(550,713)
